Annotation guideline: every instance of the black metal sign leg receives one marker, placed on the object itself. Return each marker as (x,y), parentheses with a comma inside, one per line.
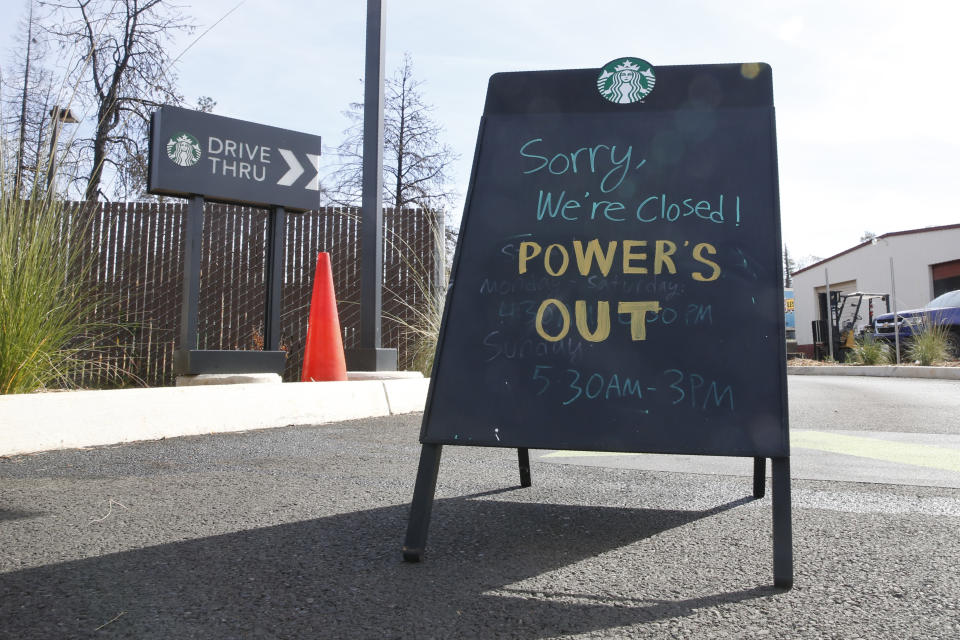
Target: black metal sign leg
(191,274)
(782,524)
(759,477)
(524,456)
(276,243)
(423,491)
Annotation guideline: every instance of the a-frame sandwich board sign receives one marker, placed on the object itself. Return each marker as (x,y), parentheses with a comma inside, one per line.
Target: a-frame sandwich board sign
(617,284)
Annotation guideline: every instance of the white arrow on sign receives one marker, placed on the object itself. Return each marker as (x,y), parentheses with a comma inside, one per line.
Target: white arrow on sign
(296,170)
(314,185)
(293,172)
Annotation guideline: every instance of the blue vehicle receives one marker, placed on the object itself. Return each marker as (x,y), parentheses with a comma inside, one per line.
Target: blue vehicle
(942,311)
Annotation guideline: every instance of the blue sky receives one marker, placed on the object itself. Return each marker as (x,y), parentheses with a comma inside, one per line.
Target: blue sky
(865,92)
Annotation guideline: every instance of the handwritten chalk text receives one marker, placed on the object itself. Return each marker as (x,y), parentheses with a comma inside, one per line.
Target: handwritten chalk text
(653,208)
(596,159)
(634,257)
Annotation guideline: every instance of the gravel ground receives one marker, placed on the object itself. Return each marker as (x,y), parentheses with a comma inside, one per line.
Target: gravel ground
(296,533)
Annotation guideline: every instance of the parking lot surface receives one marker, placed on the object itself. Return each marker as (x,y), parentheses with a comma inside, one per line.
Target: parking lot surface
(296,533)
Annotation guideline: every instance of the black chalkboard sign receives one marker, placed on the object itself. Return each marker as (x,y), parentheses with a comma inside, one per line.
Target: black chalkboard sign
(617,284)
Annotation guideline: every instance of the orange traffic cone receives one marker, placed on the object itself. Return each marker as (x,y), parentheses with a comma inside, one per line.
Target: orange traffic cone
(323,357)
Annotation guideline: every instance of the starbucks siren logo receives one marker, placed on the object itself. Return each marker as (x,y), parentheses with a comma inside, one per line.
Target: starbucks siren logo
(626,80)
(183,149)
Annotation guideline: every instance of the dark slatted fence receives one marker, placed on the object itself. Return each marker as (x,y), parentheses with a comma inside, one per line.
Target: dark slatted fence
(137,249)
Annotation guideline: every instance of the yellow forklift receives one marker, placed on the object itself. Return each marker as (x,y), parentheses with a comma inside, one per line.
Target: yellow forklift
(845,317)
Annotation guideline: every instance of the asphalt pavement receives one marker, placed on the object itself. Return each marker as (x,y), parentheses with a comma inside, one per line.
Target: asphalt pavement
(296,533)
(863,429)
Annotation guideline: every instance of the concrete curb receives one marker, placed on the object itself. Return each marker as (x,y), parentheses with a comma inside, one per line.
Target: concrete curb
(44,421)
(937,373)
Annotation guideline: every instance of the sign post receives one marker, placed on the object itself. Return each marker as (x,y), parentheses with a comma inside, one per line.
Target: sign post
(618,284)
(205,157)
(370,356)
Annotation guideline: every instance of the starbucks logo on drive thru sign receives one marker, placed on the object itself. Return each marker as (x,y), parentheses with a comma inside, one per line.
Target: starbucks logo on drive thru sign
(183,149)
(626,80)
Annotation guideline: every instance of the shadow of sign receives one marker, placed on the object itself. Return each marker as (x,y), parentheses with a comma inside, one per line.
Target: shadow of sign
(341,576)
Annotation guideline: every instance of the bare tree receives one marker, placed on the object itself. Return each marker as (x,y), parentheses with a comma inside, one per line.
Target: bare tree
(805,261)
(123,70)
(28,96)
(788,268)
(22,128)
(415,163)
(206,104)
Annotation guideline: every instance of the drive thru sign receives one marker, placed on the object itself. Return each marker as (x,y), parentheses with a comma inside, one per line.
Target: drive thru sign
(204,157)
(194,153)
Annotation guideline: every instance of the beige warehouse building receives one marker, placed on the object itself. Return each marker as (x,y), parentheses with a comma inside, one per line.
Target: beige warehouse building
(926,263)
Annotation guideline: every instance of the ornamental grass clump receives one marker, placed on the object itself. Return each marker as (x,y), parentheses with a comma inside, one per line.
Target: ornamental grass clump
(45,337)
(930,345)
(868,351)
(420,322)
(423,330)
